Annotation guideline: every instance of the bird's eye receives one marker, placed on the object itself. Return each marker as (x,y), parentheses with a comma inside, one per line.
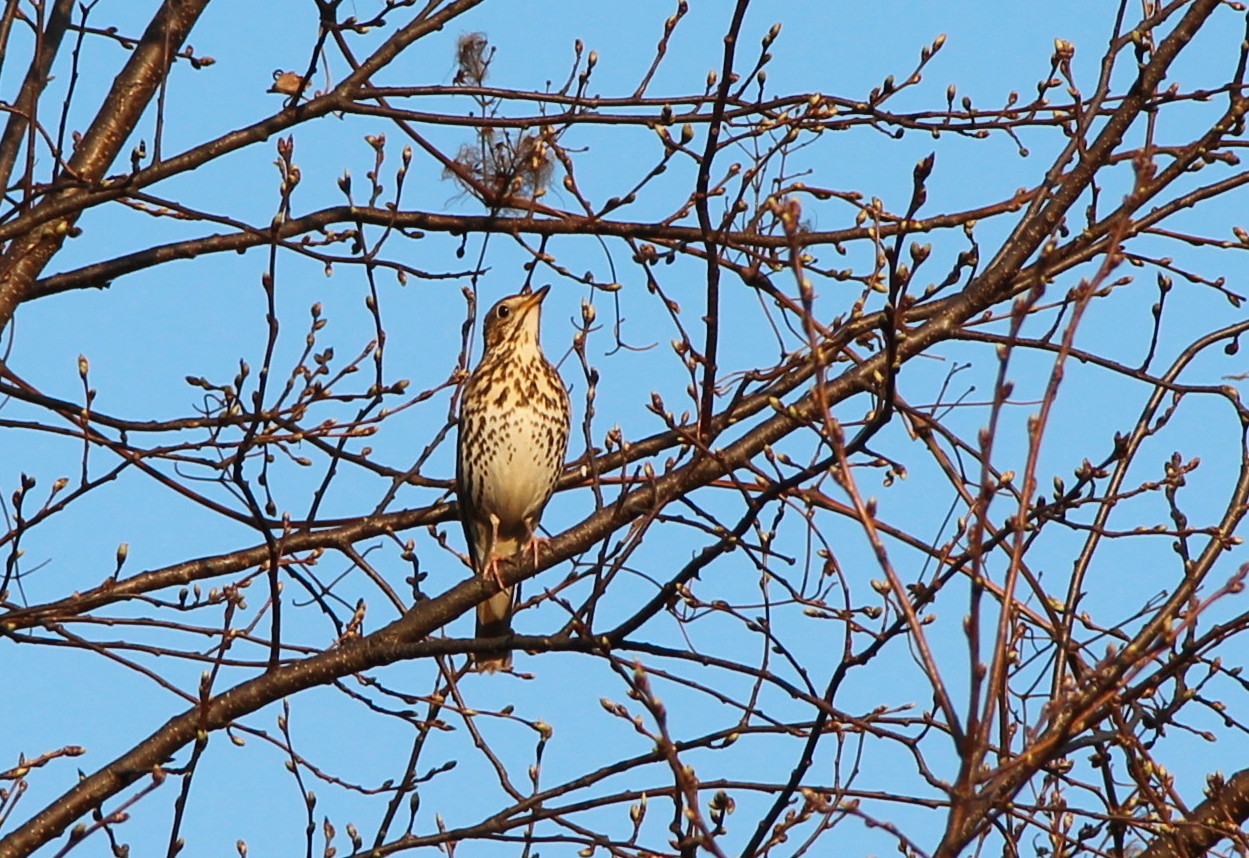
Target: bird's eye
(503,312)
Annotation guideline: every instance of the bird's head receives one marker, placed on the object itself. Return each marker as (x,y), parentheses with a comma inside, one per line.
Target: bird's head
(514,319)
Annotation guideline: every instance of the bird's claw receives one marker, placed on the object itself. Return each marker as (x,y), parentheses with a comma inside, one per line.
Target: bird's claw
(494,572)
(538,544)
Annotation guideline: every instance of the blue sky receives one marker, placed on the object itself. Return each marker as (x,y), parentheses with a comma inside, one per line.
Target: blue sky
(200,317)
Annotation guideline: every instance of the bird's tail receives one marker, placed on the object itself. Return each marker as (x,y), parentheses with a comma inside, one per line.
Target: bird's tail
(494,619)
(494,616)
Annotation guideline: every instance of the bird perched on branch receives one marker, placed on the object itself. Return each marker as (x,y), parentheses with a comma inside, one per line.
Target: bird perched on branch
(514,423)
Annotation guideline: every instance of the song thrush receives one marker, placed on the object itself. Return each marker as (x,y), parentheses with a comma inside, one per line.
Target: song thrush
(514,425)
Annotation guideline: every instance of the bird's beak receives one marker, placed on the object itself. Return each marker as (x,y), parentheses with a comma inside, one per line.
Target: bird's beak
(535,298)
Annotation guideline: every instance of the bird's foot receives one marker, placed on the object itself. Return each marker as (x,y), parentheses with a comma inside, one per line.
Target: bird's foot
(538,544)
(494,571)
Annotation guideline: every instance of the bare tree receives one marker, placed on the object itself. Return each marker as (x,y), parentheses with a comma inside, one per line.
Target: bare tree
(921,531)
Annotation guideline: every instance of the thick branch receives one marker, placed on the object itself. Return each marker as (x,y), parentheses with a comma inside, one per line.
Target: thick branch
(1219,816)
(36,80)
(132,91)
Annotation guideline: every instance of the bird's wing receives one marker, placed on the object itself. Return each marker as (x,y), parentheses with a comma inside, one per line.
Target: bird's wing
(468,513)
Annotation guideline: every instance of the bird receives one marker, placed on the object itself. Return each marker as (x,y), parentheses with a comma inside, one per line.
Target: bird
(513,432)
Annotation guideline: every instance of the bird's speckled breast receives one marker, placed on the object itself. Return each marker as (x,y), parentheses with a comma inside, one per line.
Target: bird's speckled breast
(513,449)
